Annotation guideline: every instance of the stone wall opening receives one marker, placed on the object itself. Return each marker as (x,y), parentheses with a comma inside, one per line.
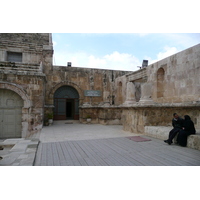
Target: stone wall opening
(66,103)
(25,118)
(10,114)
(160,82)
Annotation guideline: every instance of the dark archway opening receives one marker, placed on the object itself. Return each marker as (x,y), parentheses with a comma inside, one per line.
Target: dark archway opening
(70,108)
(66,103)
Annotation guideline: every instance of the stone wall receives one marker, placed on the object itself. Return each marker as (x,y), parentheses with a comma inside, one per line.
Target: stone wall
(101,115)
(27,77)
(175,79)
(134,119)
(83,79)
(33,100)
(32,46)
(147,97)
(36,80)
(167,86)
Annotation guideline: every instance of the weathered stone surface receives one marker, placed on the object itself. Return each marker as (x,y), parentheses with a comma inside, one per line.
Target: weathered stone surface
(130,94)
(147,97)
(26,78)
(134,119)
(102,114)
(162,132)
(171,85)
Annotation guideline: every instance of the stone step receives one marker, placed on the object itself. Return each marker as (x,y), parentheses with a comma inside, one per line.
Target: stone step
(18,152)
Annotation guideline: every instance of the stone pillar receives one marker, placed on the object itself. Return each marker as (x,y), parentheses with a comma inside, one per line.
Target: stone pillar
(130,94)
(146,94)
(106,100)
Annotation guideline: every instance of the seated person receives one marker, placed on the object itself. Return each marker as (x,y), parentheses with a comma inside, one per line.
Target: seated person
(188,129)
(177,123)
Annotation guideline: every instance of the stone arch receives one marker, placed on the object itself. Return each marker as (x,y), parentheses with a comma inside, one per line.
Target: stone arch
(10,114)
(160,82)
(120,84)
(66,83)
(26,105)
(66,103)
(17,89)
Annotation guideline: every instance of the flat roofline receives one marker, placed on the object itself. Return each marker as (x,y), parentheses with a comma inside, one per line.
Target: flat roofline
(91,68)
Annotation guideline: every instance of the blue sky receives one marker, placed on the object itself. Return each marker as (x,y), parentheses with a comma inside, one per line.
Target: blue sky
(118,51)
(108,34)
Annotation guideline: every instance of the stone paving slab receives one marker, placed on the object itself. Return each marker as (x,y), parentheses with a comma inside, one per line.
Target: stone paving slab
(62,131)
(67,144)
(18,152)
(73,144)
(115,152)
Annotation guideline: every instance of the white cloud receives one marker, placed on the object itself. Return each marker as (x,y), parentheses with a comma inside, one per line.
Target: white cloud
(121,61)
(143,34)
(184,40)
(168,51)
(54,43)
(95,62)
(115,60)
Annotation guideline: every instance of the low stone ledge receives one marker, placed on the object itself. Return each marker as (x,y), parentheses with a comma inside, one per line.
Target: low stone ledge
(194,141)
(162,132)
(21,152)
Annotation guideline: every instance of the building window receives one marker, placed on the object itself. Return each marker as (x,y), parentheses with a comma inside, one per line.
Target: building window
(14,57)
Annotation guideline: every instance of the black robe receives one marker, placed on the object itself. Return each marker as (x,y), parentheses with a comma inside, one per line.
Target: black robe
(188,130)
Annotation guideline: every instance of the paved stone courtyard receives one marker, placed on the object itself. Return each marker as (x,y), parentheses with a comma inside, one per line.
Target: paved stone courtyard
(67,144)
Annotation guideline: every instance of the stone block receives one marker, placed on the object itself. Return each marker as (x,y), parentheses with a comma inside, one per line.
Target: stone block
(19,147)
(162,132)
(194,142)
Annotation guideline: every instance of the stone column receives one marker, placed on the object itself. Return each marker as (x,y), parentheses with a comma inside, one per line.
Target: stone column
(130,94)
(146,93)
(106,100)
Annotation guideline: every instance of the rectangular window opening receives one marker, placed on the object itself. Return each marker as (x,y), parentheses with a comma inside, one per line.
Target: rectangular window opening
(14,57)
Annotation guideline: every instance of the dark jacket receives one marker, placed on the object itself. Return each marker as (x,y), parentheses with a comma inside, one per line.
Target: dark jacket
(177,123)
(189,125)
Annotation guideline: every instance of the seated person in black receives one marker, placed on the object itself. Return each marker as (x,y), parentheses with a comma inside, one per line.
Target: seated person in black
(188,129)
(177,123)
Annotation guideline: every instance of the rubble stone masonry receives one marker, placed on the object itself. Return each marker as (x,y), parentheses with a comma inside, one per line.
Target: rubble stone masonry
(147,97)
(167,86)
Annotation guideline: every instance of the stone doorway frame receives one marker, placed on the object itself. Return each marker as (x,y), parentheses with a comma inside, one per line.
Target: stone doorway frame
(50,97)
(62,97)
(25,109)
(65,83)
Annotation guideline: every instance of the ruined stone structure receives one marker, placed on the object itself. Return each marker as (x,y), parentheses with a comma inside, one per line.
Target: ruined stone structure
(32,89)
(77,93)
(167,86)
(24,60)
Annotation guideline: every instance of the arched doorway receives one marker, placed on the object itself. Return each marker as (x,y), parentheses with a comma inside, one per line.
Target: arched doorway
(10,114)
(66,103)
